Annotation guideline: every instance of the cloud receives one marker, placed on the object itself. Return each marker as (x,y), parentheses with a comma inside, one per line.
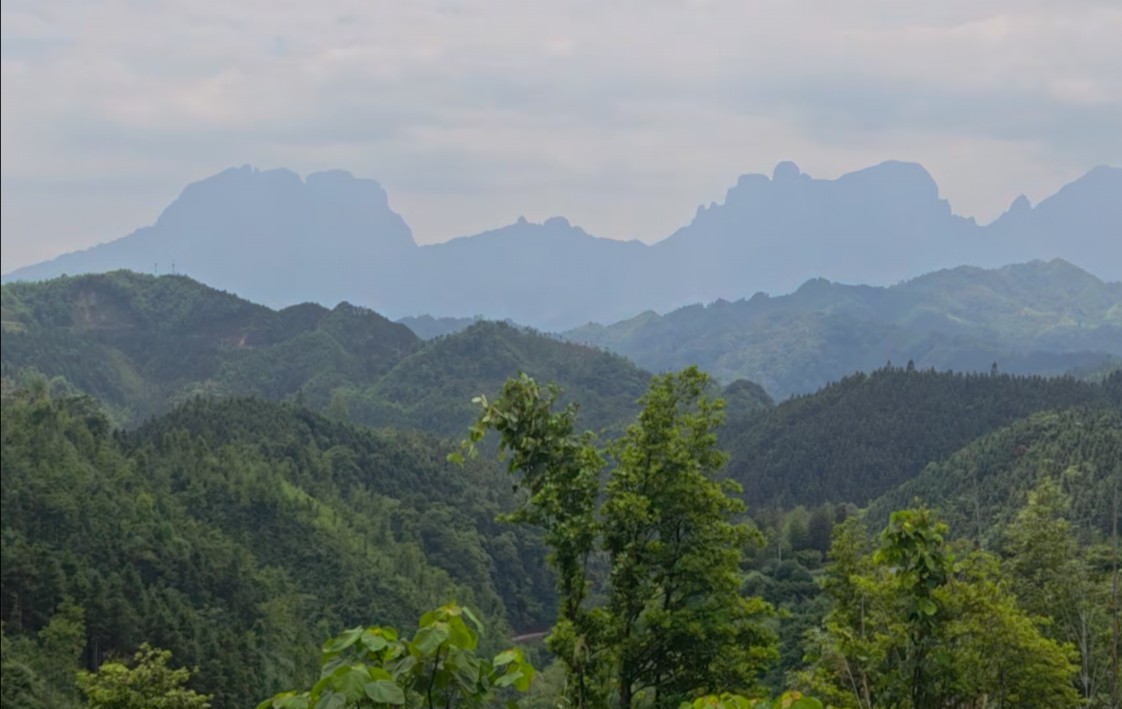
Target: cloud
(623,115)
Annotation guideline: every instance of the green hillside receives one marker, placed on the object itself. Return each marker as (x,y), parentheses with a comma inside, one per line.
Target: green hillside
(979,488)
(860,437)
(1032,318)
(143,344)
(432,388)
(237,533)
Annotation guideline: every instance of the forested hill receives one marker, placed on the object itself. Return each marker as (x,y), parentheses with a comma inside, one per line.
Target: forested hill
(432,388)
(862,436)
(238,533)
(141,344)
(976,489)
(1032,318)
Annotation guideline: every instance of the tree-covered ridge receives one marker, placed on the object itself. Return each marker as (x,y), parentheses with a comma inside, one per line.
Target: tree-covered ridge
(432,388)
(237,533)
(979,488)
(141,344)
(859,438)
(1033,318)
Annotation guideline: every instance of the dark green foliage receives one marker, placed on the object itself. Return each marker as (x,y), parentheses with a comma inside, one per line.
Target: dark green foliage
(432,388)
(861,437)
(233,533)
(142,344)
(979,489)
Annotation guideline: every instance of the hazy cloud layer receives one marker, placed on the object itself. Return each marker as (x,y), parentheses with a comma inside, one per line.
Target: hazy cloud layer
(621,115)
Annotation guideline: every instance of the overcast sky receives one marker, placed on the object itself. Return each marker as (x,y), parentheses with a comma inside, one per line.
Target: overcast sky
(622,116)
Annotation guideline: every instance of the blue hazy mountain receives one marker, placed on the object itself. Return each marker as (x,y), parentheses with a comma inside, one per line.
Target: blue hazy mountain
(275,238)
(325,238)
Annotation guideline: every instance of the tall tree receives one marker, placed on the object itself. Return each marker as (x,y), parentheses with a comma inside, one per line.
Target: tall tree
(560,472)
(674,623)
(679,624)
(1050,574)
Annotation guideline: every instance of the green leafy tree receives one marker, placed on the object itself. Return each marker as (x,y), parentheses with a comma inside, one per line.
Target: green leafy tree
(912,628)
(678,622)
(373,667)
(148,684)
(560,472)
(674,623)
(1051,576)
(913,547)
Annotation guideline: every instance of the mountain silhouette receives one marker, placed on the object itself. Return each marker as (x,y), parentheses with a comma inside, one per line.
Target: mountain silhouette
(277,239)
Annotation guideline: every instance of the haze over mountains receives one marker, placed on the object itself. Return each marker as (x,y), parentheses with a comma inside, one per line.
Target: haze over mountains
(277,239)
(1032,318)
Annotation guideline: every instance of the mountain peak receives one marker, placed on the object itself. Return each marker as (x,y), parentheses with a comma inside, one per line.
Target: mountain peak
(557,223)
(895,177)
(785,171)
(1020,205)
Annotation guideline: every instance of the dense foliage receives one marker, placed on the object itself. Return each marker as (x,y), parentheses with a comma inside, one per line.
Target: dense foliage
(1079,449)
(142,344)
(914,626)
(861,437)
(234,533)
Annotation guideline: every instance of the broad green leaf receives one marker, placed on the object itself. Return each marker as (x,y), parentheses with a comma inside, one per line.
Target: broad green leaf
(385,692)
(374,642)
(377,673)
(331,701)
(342,641)
(459,635)
(508,679)
(526,670)
(352,682)
(508,656)
(427,640)
(474,620)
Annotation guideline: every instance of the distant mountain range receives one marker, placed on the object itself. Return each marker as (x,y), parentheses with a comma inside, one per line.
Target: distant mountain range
(1033,318)
(278,239)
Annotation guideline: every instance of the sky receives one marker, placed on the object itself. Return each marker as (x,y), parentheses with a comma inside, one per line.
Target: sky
(622,115)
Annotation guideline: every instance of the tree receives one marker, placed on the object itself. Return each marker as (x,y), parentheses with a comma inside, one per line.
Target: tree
(679,624)
(1050,575)
(560,471)
(915,629)
(674,624)
(373,667)
(913,547)
(148,684)
(819,526)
